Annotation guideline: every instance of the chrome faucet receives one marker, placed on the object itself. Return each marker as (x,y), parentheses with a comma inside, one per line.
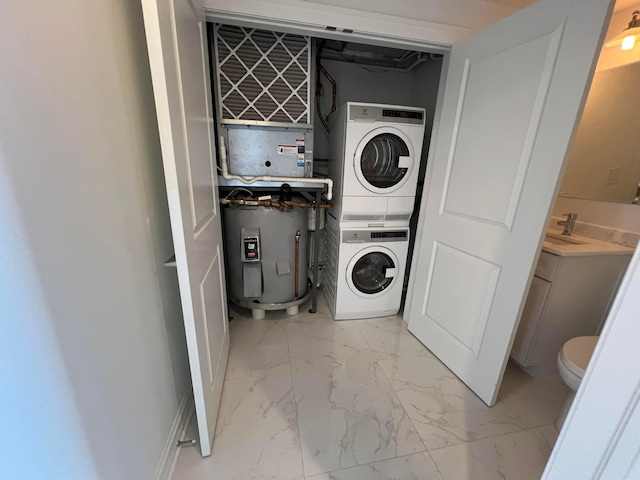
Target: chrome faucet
(569,223)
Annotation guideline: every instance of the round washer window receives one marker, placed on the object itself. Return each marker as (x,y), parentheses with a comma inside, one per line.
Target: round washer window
(369,272)
(379,161)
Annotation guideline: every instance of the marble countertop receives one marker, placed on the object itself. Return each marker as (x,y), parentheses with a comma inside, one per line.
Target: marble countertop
(587,246)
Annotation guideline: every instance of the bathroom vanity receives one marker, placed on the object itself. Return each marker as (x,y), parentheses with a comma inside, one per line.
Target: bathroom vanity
(574,283)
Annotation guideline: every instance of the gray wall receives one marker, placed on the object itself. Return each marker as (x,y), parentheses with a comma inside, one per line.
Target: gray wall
(359,84)
(424,93)
(92,352)
(417,88)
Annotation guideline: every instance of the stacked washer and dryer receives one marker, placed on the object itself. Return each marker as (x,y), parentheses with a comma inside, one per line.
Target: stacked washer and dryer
(374,162)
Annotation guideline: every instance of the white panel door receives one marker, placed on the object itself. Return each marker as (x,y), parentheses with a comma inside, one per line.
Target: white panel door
(512,95)
(176,38)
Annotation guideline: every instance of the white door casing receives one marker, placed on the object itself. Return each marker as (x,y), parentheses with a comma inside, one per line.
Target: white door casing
(599,438)
(176,39)
(512,95)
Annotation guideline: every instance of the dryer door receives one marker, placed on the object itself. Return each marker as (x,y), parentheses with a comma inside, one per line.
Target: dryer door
(372,271)
(384,160)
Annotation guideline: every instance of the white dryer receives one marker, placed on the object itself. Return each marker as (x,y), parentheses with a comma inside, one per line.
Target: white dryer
(374,161)
(364,270)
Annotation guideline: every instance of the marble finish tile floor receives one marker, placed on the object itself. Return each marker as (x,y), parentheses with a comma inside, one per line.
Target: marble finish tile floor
(308,398)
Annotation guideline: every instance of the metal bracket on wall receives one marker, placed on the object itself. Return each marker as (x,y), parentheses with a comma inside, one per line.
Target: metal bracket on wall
(186,443)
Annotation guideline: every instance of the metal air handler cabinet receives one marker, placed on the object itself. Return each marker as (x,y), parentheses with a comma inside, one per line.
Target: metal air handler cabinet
(263,83)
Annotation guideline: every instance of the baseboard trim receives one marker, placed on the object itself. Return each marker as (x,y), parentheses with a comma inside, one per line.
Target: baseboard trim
(170,452)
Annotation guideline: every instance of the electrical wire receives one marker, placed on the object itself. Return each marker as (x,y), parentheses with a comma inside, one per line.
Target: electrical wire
(239,189)
(319,87)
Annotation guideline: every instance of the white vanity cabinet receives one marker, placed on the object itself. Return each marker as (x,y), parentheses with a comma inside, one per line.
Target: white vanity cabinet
(569,296)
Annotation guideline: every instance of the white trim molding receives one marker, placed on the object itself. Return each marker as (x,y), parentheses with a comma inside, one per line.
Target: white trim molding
(310,18)
(169,456)
(599,439)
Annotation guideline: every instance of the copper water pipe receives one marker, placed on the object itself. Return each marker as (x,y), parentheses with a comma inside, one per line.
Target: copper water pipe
(286,205)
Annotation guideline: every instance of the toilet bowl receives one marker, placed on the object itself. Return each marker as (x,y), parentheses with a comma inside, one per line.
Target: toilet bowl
(573,359)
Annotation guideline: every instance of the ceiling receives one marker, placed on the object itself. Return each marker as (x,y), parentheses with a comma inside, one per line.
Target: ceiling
(372,55)
(393,58)
(620,4)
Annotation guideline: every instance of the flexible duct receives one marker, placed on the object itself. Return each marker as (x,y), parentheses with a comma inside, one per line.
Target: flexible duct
(267,178)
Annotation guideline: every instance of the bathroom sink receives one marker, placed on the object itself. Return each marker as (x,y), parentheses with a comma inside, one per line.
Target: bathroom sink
(568,245)
(562,240)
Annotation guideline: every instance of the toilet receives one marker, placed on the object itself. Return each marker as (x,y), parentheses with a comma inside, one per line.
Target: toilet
(573,360)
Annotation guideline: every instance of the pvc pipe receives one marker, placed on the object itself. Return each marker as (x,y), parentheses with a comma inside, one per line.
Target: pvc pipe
(266,178)
(297,276)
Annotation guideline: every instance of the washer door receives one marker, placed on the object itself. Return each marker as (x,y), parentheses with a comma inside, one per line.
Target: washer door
(383,160)
(372,271)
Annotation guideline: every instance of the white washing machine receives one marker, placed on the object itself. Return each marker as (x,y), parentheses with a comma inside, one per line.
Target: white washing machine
(364,270)
(374,162)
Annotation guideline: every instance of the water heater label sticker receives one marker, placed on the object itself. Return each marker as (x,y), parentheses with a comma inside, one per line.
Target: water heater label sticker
(300,151)
(287,149)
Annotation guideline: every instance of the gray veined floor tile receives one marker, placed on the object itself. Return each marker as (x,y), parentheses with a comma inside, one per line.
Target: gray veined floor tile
(348,413)
(419,466)
(256,435)
(514,456)
(322,311)
(257,347)
(388,337)
(366,395)
(443,409)
(325,338)
(549,433)
(537,401)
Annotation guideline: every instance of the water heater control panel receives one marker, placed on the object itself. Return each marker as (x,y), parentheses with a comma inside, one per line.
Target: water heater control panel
(251,245)
(251,250)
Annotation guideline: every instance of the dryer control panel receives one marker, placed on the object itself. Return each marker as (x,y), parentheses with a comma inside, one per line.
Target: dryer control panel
(376,236)
(385,113)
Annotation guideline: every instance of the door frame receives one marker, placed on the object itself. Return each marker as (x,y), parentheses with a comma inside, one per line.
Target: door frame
(609,421)
(620,320)
(324,21)
(453,33)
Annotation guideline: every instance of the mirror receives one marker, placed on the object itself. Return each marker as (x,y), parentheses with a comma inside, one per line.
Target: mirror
(604,162)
